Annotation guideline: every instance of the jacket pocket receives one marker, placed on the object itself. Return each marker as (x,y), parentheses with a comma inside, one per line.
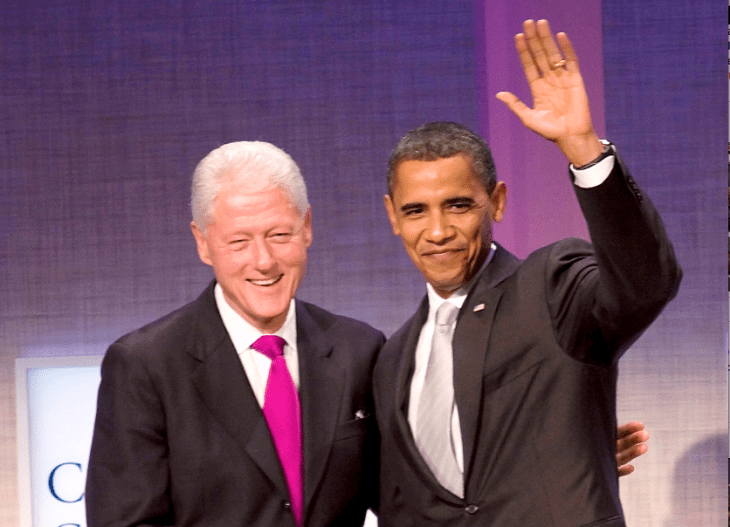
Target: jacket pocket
(354,428)
(494,380)
(615,521)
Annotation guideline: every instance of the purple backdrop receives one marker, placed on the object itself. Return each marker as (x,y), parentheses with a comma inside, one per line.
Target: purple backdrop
(108,109)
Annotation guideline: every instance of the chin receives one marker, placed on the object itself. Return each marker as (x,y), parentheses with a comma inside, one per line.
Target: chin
(449,286)
(274,312)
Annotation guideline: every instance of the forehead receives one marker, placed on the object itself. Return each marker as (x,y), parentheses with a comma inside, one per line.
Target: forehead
(253,206)
(441,178)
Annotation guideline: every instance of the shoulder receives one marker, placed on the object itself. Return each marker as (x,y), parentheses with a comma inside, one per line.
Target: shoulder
(414,323)
(405,337)
(328,321)
(333,325)
(566,248)
(558,256)
(178,330)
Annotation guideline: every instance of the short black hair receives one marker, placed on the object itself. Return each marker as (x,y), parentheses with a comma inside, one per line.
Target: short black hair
(443,139)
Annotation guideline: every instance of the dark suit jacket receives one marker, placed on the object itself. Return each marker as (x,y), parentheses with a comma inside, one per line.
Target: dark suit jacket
(535,352)
(180,440)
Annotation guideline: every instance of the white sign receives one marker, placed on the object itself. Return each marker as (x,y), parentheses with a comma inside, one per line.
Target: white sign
(56,402)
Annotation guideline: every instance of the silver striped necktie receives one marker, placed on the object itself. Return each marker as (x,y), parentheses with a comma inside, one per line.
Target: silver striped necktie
(436,405)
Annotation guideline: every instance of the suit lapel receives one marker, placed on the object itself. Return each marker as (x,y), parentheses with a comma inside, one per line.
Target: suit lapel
(470,349)
(407,360)
(404,435)
(225,390)
(470,344)
(321,386)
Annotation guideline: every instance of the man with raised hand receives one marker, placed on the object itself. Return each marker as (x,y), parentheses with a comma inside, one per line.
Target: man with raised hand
(496,401)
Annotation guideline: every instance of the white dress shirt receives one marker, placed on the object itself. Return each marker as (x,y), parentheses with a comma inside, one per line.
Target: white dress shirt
(243,334)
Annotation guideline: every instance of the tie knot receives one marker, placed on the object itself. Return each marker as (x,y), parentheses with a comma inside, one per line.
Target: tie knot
(270,345)
(446,314)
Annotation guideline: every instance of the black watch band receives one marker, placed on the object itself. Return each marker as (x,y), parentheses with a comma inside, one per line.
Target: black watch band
(607,151)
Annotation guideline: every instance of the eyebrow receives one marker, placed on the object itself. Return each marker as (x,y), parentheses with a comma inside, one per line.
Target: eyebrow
(450,201)
(459,199)
(412,206)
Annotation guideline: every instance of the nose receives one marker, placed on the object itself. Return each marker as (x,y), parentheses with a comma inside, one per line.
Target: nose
(263,257)
(439,229)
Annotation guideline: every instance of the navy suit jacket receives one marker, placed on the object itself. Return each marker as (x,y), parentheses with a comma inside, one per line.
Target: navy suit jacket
(180,439)
(535,349)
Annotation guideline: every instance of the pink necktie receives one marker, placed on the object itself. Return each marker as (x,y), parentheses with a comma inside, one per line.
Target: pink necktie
(281,410)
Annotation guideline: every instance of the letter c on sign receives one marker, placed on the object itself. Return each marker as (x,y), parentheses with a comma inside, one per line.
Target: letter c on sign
(52,483)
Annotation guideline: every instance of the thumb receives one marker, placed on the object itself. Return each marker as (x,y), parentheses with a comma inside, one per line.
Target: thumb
(514,103)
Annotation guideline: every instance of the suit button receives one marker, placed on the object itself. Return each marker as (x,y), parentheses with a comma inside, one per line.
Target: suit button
(286,506)
(472,509)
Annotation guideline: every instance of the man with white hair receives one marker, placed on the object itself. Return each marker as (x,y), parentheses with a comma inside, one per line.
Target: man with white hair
(245,407)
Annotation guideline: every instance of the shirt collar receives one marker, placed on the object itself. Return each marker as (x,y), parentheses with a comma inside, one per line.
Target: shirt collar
(243,334)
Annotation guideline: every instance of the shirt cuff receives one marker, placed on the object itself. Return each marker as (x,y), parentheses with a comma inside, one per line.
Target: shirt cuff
(594,175)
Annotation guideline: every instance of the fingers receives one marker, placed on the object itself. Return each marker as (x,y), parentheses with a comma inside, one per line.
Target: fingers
(529,66)
(634,438)
(624,459)
(514,103)
(625,470)
(627,455)
(571,59)
(627,429)
(539,52)
(630,443)
(630,436)
(542,44)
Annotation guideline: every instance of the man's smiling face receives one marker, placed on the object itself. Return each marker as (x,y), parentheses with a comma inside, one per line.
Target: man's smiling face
(444,215)
(257,245)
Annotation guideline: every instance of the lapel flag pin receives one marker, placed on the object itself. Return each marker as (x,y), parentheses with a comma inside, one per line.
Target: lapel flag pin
(478,307)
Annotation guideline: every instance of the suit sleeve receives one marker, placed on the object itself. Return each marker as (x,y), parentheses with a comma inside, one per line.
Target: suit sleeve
(603,297)
(128,479)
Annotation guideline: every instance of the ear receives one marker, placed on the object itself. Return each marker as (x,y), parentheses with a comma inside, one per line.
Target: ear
(307,228)
(201,243)
(390,209)
(498,197)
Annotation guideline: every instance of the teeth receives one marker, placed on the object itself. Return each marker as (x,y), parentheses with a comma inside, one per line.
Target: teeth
(270,281)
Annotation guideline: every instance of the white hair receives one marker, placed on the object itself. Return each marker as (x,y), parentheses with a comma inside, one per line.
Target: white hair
(252,163)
